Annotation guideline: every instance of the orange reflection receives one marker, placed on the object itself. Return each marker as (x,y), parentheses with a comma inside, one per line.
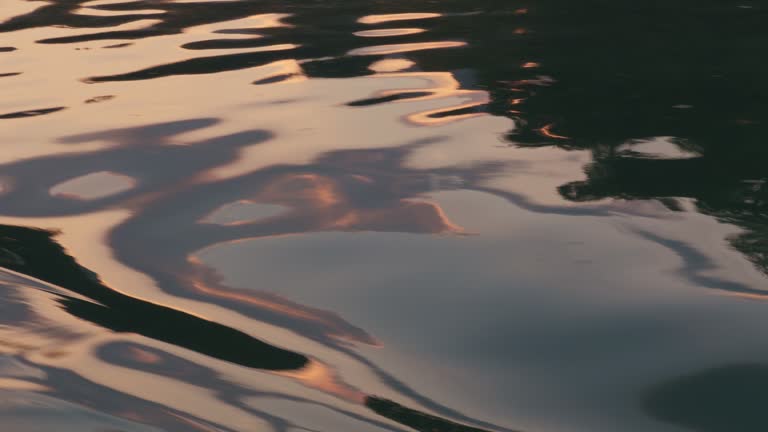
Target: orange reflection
(317,203)
(283,71)
(377,19)
(319,376)
(441,116)
(547,131)
(442,85)
(268,20)
(391,65)
(407,47)
(389,32)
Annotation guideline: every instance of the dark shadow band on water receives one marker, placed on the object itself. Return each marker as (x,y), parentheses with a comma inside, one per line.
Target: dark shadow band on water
(724,399)
(35,253)
(414,419)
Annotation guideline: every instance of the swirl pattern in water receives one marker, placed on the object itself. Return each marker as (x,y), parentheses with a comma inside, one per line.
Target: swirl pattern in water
(442,216)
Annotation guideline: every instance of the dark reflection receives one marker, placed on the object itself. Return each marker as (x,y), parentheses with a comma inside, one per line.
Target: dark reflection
(99,99)
(274,79)
(65,385)
(414,419)
(121,45)
(696,74)
(158,362)
(696,264)
(201,65)
(592,75)
(389,98)
(726,183)
(35,253)
(725,399)
(30,113)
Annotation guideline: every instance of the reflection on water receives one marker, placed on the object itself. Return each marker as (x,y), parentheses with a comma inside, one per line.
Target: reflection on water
(722,399)
(452,216)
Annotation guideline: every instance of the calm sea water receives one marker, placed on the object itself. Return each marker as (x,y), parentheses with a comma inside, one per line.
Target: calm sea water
(422,215)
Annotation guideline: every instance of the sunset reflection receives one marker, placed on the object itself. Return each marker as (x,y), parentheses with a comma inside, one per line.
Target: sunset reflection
(384,216)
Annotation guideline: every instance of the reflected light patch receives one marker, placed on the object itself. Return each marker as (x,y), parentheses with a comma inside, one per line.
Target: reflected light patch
(241,212)
(270,20)
(400,48)
(389,32)
(93,186)
(377,19)
(547,132)
(319,376)
(143,356)
(391,65)
(17,384)
(281,71)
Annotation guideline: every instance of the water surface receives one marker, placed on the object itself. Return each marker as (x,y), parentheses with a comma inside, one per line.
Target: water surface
(383,215)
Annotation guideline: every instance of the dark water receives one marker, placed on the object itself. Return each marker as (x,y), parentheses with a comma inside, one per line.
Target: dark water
(443,216)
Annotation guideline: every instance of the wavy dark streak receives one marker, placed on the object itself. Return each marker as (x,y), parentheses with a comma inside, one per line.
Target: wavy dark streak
(30,113)
(696,263)
(447,113)
(107,35)
(725,185)
(176,17)
(191,373)
(174,367)
(225,44)
(389,98)
(71,387)
(199,65)
(422,400)
(41,257)
(10,74)
(274,79)
(417,420)
(140,153)
(120,45)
